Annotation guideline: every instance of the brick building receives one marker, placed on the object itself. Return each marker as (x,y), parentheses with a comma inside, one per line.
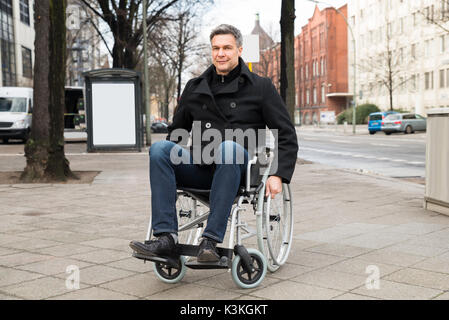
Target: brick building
(321,65)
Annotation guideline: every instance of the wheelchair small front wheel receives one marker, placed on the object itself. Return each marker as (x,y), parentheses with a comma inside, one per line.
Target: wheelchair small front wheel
(245,279)
(170,274)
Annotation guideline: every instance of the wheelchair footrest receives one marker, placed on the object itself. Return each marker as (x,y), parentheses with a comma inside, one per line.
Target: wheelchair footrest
(224,263)
(169,261)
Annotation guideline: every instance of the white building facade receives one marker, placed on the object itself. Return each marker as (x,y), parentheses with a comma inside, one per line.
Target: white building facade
(16,43)
(83,42)
(402,48)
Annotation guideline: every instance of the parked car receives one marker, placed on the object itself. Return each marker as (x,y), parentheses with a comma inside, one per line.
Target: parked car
(404,122)
(16,107)
(159,127)
(375,120)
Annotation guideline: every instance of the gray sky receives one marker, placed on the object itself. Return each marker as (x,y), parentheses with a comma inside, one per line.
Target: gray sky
(242,14)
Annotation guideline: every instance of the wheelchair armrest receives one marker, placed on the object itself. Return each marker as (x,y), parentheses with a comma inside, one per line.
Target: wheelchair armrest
(254,167)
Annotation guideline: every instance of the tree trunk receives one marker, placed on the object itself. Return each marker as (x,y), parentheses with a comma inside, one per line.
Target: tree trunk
(44,150)
(288,55)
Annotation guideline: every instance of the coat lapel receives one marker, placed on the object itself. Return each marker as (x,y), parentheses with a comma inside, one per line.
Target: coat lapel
(204,89)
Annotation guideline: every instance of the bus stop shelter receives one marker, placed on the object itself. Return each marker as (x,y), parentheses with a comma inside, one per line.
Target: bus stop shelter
(113,110)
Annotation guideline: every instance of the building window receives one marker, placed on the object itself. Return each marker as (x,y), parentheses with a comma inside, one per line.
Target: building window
(8,56)
(6,6)
(307,96)
(413,51)
(314,96)
(413,83)
(447,77)
(428,80)
(25,11)
(27,63)
(323,93)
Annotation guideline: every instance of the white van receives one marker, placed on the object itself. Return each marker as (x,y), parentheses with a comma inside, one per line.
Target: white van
(16,107)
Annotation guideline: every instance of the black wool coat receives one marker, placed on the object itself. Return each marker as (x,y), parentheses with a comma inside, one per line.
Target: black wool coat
(247,102)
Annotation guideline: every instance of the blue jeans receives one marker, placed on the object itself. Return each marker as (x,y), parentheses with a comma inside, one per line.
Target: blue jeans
(223,179)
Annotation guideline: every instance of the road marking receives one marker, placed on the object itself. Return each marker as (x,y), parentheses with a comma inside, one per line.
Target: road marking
(341,141)
(361,156)
(385,145)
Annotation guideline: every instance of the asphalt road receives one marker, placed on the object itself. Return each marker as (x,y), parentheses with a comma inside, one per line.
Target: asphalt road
(397,155)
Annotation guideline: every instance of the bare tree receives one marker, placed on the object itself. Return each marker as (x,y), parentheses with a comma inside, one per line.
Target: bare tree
(174,49)
(388,66)
(82,30)
(438,16)
(44,151)
(125,22)
(268,57)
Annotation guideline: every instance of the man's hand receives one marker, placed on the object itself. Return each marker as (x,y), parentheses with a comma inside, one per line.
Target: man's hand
(273,186)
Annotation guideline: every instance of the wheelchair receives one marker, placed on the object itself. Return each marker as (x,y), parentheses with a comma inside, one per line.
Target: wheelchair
(273,229)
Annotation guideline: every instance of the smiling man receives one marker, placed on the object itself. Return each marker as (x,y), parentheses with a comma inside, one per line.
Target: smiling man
(227,96)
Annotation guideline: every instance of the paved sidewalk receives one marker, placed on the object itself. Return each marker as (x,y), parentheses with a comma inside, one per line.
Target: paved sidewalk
(349,228)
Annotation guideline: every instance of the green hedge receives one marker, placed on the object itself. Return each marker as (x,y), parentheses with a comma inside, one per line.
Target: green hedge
(361,114)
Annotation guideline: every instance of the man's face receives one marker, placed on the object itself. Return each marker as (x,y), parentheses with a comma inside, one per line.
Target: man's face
(225,53)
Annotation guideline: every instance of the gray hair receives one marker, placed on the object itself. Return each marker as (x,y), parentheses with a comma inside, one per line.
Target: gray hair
(228,29)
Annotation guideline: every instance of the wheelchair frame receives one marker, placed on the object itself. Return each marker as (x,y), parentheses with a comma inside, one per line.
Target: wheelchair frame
(238,231)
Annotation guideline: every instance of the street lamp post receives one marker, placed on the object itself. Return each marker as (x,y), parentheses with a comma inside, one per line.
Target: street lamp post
(145,73)
(354,98)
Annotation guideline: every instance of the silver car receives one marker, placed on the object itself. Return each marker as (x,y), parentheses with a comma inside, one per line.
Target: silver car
(403,122)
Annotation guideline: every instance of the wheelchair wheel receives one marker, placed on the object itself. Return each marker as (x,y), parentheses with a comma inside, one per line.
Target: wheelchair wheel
(248,280)
(276,228)
(169,274)
(187,209)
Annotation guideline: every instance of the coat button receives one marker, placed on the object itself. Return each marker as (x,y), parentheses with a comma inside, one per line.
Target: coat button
(233,105)
(208,125)
(241,80)
(204,107)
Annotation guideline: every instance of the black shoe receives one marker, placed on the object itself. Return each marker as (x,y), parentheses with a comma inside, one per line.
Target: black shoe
(208,251)
(162,246)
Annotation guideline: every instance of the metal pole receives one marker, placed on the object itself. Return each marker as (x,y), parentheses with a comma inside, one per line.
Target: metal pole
(354,98)
(145,72)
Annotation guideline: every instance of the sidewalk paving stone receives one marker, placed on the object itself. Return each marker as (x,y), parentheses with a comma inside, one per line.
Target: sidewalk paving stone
(341,230)
(22,258)
(42,288)
(290,290)
(99,274)
(192,291)
(331,279)
(141,285)
(93,293)
(423,278)
(52,266)
(9,276)
(398,291)
(101,256)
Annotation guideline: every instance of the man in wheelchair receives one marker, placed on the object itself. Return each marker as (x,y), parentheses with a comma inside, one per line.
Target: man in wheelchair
(227,96)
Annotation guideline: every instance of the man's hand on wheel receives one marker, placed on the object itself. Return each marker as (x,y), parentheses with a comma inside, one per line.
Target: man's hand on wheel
(273,186)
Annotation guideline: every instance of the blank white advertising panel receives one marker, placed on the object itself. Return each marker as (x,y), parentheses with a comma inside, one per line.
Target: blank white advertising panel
(113,114)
